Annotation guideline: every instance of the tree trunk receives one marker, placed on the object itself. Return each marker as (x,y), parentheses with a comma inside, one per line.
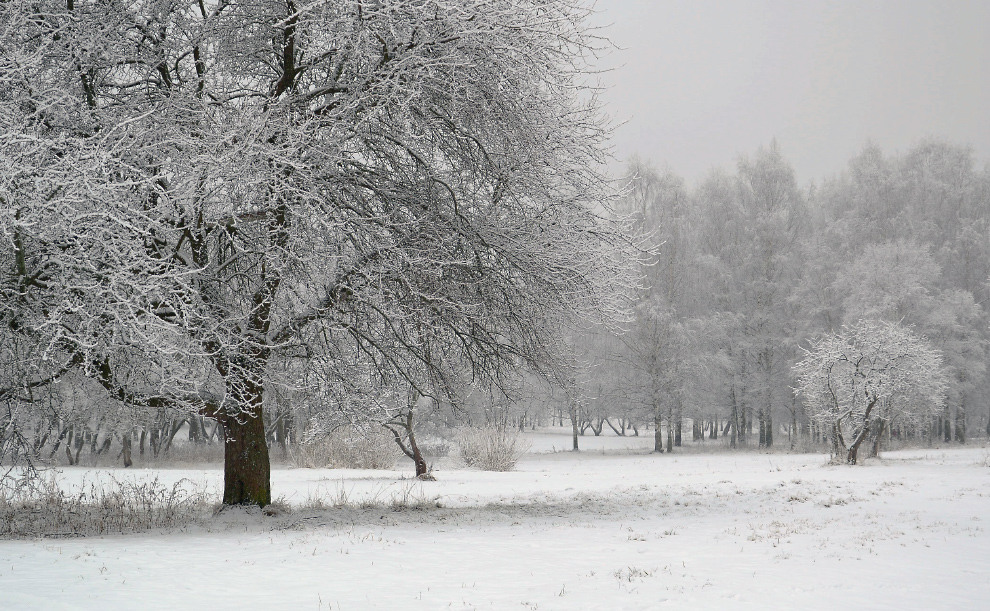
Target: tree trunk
(153,442)
(246,466)
(422,469)
(61,436)
(733,419)
(878,439)
(105,446)
(572,412)
(961,420)
(126,443)
(763,429)
(862,433)
(195,434)
(835,437)
(792,437)
(597,430)
(657,435)
(745,423)
(80,441)
(768,423)
(172,430)
(68,446)
(246,469)
(621,431)
(412,450)
(282,431)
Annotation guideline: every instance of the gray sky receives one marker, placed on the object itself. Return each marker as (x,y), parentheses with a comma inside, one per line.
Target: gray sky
(700,82)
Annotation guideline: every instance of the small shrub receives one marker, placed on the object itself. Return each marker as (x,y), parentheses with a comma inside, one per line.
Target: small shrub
(349,448)
(491,448)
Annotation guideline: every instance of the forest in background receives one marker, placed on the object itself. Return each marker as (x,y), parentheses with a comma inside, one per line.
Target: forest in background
(270,225)
(750,269)
(746,271)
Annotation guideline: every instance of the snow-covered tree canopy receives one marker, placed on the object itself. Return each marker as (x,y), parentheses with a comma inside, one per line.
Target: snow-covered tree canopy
(196,195)
(867,375)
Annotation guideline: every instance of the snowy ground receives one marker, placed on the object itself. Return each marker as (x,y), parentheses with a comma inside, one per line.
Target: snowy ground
(597,530)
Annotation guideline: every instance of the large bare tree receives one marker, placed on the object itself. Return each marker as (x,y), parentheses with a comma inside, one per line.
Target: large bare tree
(204,200)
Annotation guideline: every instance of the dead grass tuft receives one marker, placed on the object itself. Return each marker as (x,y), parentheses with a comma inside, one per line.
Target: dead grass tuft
(43,509)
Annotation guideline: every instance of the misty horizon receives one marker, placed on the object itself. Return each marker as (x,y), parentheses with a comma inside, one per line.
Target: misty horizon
(694,86)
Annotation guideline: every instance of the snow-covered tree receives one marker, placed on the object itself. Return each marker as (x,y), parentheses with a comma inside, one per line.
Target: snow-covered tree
(658,204)
(203,200)
(857,382)
(774,215)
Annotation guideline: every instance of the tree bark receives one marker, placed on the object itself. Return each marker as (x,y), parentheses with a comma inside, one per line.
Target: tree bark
(961,420)
(861,435)
(835,437)
(572,412)
(745,423)
(126,443)
(768,423)
(657,435)
(80,441)
(670,434)
(621,432)
(733,419)
(792,437)
(597,430)
(412,450)
(763,428)
(947,424)
(246,467)
(878,439)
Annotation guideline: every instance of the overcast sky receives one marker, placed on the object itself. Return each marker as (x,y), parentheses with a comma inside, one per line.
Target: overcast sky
(700,82)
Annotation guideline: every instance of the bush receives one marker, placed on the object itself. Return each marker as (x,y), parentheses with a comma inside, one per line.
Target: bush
(491,448)
(349,448)
(438,448)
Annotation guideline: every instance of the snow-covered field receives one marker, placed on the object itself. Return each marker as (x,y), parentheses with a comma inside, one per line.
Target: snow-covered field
(609,528)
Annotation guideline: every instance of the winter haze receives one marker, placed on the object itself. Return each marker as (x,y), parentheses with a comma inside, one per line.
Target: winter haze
(440,304)
(698,83)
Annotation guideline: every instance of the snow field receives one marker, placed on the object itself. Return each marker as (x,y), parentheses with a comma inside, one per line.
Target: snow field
(565,531)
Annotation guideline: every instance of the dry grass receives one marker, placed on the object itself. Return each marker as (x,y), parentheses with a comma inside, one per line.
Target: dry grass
(43,509)
(398,496)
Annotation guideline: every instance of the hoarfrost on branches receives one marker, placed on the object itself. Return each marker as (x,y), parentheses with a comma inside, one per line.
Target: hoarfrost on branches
(860,381)
(205,202)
